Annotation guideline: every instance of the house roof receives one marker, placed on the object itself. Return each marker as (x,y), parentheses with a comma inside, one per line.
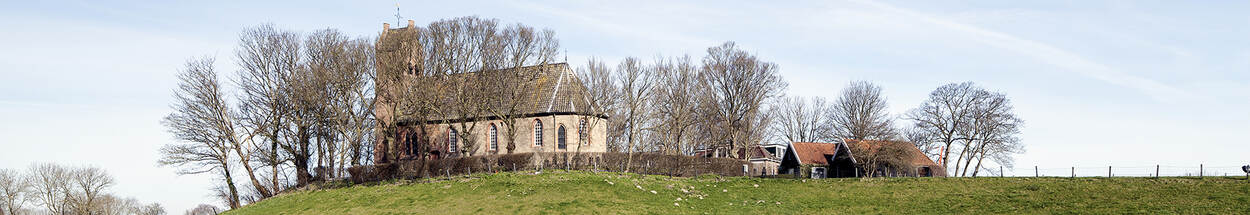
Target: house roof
(814,153)
(917,158)
(555,89)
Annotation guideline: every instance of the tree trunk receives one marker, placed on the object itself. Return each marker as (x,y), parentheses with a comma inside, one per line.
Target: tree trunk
(233,200)
(301,156)
(251,174)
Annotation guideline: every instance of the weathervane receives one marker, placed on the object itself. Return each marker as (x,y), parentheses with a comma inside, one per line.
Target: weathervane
(397,17)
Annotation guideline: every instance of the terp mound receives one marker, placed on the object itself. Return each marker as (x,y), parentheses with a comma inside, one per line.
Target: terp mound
(612,193)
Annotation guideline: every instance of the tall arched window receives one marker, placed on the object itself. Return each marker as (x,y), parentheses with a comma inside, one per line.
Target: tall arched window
(451,140)
(560,140)
(538,132)
(494,137)
(581,133)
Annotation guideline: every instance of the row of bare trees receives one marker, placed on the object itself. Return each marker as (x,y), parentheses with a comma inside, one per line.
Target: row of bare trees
(58,189)
(455,69)
(959,122)
(297,104)
(679,106)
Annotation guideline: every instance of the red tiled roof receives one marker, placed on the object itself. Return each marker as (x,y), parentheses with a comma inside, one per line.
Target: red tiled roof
(917,158)
(814,153)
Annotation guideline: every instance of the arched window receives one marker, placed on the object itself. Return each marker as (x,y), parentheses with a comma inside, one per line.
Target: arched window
(494,137)
(560,140)
(538,132)
(451,140)
(581,133)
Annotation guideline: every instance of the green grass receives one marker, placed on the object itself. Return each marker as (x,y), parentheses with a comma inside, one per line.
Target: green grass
(591,193)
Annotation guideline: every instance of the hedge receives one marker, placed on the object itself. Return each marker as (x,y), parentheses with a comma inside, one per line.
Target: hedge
(642,163)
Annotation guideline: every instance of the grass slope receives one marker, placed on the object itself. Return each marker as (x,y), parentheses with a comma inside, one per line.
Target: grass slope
(613,193)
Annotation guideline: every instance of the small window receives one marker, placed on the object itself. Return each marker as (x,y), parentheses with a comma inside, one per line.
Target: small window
(494,137)
(560,140)
(538,132)
(818,172)
(581,133)
(451,140)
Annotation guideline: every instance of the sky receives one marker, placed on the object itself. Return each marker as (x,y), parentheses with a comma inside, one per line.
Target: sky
(1099,83)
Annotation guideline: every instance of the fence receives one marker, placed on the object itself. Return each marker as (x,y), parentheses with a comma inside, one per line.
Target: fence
(1197,170)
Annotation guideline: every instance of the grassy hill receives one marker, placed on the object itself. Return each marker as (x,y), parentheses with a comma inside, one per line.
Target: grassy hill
(613,193)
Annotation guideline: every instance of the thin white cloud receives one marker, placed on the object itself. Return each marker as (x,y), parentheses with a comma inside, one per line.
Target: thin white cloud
(617,28)
(1045,53)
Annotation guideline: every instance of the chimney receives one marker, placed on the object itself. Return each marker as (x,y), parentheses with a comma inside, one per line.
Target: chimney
(385,27)
(411,23)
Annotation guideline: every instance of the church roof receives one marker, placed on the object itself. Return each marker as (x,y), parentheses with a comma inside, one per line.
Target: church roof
(554,90)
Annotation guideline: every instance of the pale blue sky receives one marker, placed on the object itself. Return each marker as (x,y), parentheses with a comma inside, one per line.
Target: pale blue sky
(1127,83)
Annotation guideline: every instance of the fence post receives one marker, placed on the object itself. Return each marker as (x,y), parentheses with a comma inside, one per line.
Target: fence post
(1035,173)
(1199,171)
(1073,172)
(1156,171)
(1000,172)
(1108,171)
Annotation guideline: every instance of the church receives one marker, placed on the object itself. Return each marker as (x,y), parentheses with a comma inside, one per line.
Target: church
(556,116)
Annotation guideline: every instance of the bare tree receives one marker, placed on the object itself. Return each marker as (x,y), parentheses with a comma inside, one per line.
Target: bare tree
(512,86)
(14,191)
(51,187)
(113,205)
(635,81)
(675,102)
(268,59)
(798,120)
(602,95)
(860,113)
(739,85)
(964,118)
(923,140)
(204,209)
(201,122)
(993,133)
(89,184)
(149,209)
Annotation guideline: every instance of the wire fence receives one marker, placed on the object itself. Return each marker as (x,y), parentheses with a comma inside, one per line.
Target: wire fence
(1198,170)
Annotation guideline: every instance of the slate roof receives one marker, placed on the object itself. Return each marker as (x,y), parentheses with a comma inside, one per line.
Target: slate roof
(556,91)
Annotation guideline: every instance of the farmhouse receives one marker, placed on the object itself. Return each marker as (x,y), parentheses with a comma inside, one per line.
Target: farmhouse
(917,163)
(834,160)
(818,160)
